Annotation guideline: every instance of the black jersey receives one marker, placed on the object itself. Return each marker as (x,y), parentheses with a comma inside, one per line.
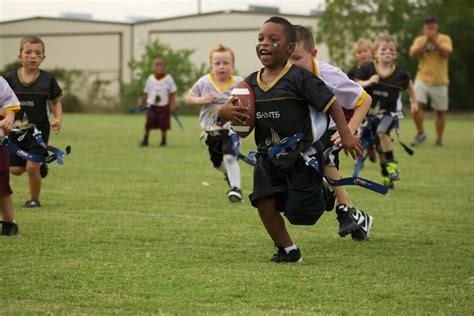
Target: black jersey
(386,92)
(352,73)
(283,109)
(34,96)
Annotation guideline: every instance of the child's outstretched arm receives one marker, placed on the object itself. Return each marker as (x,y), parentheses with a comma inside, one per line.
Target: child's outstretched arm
(359,115)
(7,122)
(413,101)
(349,142)
(57,109)
(374,79)
(200,100)
(232,112)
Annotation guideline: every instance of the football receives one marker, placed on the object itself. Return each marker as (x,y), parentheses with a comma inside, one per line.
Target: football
(245,99)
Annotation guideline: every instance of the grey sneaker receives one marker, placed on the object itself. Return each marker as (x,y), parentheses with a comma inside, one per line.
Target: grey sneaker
(438,143)
(419,139)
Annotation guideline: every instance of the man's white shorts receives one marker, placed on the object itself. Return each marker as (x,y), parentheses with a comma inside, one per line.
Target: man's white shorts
(437,94)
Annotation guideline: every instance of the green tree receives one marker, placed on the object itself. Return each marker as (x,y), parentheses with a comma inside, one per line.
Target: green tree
(178,64)
(344,21)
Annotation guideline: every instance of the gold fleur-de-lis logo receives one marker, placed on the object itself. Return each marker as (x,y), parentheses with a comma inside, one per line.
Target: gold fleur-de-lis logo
(275,140)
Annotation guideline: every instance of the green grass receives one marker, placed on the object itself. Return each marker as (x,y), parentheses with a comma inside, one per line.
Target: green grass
(129,230)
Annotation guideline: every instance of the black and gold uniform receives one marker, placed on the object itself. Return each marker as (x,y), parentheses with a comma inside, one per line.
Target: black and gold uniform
(283,110)
(34,99)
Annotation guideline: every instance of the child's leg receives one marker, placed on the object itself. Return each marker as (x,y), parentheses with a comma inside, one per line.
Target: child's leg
(342,197)
(232,169)
(6,208)
(34,179)
(163,137)
(273,222)
(17,171)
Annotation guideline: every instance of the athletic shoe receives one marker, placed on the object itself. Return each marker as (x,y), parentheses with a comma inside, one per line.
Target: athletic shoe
(388,183)
(392,170)
(349,219)
(235,195)
(294,256)
(144,143)
(362,233)
(32,203)
(438,143)
(44,170)
(9,229)
(163,143)
(329,196)
(419,139)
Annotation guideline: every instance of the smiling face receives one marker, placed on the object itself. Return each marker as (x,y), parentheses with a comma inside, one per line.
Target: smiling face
(222,65)
(386,51)
(31,55)
(272,47)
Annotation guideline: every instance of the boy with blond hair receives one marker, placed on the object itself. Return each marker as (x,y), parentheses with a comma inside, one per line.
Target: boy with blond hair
(210,92)
(37,91)
(356,102)
(384,80)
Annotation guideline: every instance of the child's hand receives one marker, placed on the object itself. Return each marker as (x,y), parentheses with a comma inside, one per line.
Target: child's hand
(232,112)
(207,98)
(56,125)
(172,107)
(336,138)
(414,107)
(6,124)
(351,145)
(374,79)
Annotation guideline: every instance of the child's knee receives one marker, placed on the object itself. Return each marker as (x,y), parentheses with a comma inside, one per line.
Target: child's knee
(17,171)
(228,159)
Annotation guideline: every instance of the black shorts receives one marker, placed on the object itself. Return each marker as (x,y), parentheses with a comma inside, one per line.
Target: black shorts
(219,143)
(158,117)
(298,191)
(29,144)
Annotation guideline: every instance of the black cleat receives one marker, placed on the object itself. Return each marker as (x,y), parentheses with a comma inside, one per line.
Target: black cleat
(349,219)
(32,203)
(294,256)
(44,170)
(144,143)
(9,228)
(163,143)
(362,233)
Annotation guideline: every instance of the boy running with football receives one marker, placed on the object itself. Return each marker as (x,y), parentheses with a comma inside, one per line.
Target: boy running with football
(356,102)
(282,181)
(210,92)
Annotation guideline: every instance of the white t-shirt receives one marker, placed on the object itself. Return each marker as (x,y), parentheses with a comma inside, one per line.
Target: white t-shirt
(8,98)
(209,116)
(348,93)
(158,90)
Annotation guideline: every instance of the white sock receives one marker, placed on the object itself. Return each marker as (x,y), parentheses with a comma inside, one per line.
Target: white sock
(290,248)
(233,170)
(221,168)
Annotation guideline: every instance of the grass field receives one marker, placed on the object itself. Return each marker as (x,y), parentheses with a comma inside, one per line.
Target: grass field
(129,230)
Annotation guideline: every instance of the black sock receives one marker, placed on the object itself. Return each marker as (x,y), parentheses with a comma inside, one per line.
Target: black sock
(388,155)
(145,138)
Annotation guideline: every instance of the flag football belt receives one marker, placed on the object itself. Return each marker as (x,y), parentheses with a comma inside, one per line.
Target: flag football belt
(250,158)
(313,163)
(57,154)
(369,136)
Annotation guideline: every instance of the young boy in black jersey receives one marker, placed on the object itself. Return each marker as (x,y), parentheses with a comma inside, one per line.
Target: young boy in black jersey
(384,81)
(282,182)
(37,90)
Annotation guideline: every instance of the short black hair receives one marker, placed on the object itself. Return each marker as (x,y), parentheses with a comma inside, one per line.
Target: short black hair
(431,19)
(288,28)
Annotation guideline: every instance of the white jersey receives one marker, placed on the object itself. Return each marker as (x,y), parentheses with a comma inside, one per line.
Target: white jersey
(8,99)
(209,116)
(158,90)
(348,93)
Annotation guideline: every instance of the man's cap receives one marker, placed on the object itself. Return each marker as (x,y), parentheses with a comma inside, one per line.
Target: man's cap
(431,19)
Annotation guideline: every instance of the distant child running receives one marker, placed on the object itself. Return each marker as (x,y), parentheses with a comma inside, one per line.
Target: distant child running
(210,92)
(159,97)
(353,98)
(9,104)
(284,97)
(38,91)
(384,81)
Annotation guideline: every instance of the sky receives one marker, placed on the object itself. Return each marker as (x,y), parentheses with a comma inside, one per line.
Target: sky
(125,10)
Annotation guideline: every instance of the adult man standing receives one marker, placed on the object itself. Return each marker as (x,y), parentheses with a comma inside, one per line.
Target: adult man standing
(432,49)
